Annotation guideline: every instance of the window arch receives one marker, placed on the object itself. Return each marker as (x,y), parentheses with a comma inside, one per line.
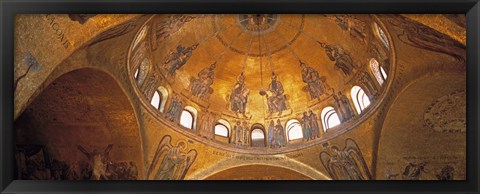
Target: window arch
(135,75)
(188,118)
(258,137)
(329,118)
(156,99)
(143,71)
(140,36)
(384,73)
(222,128)
(381,35)
(378,71)
(360,99)
(163,98)
(294,130)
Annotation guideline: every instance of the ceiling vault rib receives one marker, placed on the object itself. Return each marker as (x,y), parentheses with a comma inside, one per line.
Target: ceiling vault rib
(247,53)
(303,32)
(229,45)
(269,54)
(216,32)
(289,47)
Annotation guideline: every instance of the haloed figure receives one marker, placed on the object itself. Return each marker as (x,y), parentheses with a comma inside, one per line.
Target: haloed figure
(170,163)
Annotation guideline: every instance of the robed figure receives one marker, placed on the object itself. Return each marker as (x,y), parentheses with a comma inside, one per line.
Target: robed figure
(271,133)
(206,127)
(315,84)
(279,138)
(200,86)
(171,162)
(175,109)
(245,134)
(276,101)
(315,125)
(340,57)
(237,134)
(306,127)
(347,107)
(346,164)
(239,96)
(176,59)
(166,27)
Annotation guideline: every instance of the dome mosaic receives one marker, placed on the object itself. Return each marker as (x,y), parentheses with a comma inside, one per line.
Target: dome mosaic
(321,74)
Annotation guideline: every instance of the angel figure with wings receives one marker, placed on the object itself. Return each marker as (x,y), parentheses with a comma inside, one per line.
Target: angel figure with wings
(174,162)
(346,164)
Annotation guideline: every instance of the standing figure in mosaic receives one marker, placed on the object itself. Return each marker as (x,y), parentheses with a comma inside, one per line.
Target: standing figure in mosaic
(171,109)
(175,108)
(339,108)
(245,134)
(340,57)
(239,96)
(347,107)
(166,27)
(368,85)
(306,127)
(200,86)
(277,101)
(271,134)
(206,127)
(315,83)
(315,126)
(176,59)
(98,160)
(237,136)
(279,139)
(150,86)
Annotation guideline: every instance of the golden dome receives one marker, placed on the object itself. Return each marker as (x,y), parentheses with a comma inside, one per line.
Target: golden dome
(262,67)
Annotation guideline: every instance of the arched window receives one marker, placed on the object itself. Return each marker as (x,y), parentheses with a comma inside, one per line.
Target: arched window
(140,36)
(258,137)
(384,73)
(329,118)
(381,35)
(294,130)
(136,73)
(378,71)
(188,118)
(155,102)
(143,71)
(222,128)
(163,98)
(360,99)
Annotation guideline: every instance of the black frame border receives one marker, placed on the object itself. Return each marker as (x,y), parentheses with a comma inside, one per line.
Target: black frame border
(9,8)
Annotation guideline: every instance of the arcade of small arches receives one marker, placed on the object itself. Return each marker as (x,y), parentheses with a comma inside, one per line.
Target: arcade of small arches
(294,131)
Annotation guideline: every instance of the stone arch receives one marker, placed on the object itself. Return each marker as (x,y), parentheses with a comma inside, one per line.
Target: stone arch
(276,161)
(77,109)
